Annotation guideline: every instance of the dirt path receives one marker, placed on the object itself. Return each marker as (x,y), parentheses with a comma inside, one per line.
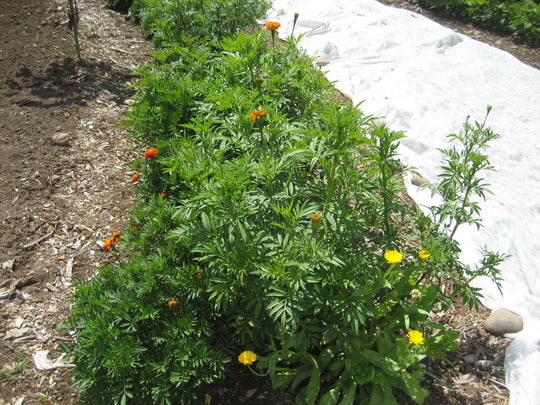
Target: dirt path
(62,193)
(59,195)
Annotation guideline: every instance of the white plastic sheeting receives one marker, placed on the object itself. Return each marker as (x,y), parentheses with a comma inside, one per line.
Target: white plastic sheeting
(425,79)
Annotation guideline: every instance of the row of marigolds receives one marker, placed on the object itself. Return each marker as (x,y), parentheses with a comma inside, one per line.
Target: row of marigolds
(266,225)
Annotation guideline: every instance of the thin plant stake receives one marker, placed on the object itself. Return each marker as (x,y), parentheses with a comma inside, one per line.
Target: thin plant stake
(73,15)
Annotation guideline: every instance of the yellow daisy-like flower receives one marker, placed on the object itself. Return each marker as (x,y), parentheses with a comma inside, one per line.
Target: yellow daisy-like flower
(247,357)
(259,80)
(415,337)
(272,25)
(393,256)
(424,254)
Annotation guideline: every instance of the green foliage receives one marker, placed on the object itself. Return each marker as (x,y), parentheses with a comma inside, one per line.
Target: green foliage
(520,19)
(175,21)
(279,208)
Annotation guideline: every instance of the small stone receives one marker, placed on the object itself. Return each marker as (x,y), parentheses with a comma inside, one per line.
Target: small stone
(469,359)
(503,321)
(484,364)
(61,138)
(8,265)
(322,62)
(419,180)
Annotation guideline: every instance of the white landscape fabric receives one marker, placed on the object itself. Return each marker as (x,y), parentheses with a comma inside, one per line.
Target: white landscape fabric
(425,79)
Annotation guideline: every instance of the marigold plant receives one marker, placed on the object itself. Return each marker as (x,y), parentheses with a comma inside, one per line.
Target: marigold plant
(150,153)
(272,25)
(257,114)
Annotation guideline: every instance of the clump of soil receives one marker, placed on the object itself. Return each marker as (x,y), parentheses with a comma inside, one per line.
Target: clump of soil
(65,177)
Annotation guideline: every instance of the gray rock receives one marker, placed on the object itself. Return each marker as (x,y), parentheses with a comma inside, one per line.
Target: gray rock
(419,180)
(61,138)
(503,321)
(8,265)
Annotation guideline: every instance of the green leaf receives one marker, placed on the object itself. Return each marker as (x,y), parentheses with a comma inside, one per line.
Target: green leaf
(348,398)
(382,395)
(413,388)
(331,397)
(314,386)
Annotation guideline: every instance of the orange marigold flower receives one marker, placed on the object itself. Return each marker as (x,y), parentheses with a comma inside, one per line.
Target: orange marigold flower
(199,276)
(316,218)
(116,234)
(134,229)
(272,25)
(108,243)
(135,177)
(163,194)
(173,304)
(150,153)
(256,115)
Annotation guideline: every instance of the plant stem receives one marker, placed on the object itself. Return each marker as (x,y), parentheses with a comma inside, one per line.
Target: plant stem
(73,15)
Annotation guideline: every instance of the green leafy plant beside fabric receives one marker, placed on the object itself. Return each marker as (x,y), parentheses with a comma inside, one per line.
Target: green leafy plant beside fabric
(520,19)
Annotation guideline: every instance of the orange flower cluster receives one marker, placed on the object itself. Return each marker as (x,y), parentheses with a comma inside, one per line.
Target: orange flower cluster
(134,229)
(163,194)
(111,241)
(316,218)
(173,304)
(256,115)
(200,276)
(135,177)
(272,25)
(150,153)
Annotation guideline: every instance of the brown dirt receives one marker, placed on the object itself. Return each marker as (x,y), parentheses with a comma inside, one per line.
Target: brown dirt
(58,200)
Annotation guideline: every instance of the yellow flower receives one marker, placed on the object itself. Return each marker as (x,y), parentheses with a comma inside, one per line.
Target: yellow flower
(316,218)
(424,254)
(415,337)
(272,25)
(393,256)
(256,115)
(259,80)
(247,357)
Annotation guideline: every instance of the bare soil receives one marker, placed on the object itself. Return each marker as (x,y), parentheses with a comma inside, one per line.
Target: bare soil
(63,194)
